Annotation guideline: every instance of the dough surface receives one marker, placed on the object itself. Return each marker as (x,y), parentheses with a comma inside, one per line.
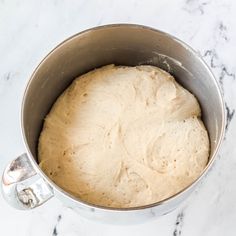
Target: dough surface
(124,137)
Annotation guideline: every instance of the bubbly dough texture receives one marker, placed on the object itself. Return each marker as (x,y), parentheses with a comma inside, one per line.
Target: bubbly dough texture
(124,137)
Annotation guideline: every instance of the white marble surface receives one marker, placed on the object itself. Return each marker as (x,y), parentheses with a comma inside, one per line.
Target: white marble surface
(30,29)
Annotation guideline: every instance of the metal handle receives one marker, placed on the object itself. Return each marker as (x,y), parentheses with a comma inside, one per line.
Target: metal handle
(22,186)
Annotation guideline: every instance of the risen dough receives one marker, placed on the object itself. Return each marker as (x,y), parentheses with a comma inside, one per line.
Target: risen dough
(124,137)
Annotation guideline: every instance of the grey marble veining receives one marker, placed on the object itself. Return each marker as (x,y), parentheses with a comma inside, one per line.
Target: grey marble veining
(30,29)
(179,224)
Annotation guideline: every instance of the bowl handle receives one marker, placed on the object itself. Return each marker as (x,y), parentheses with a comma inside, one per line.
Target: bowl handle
(22,187)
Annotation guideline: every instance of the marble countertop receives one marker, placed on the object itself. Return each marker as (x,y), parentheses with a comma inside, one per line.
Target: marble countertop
(30,29)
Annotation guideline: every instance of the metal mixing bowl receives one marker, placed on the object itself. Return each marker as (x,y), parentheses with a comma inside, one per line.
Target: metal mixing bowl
(24,184)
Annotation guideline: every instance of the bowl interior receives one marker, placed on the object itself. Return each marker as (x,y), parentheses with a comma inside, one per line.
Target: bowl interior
(122,45)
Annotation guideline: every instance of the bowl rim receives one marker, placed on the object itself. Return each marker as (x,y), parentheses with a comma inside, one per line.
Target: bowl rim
(127,209)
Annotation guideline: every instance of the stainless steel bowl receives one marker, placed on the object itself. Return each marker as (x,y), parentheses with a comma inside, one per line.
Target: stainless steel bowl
(24,184)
